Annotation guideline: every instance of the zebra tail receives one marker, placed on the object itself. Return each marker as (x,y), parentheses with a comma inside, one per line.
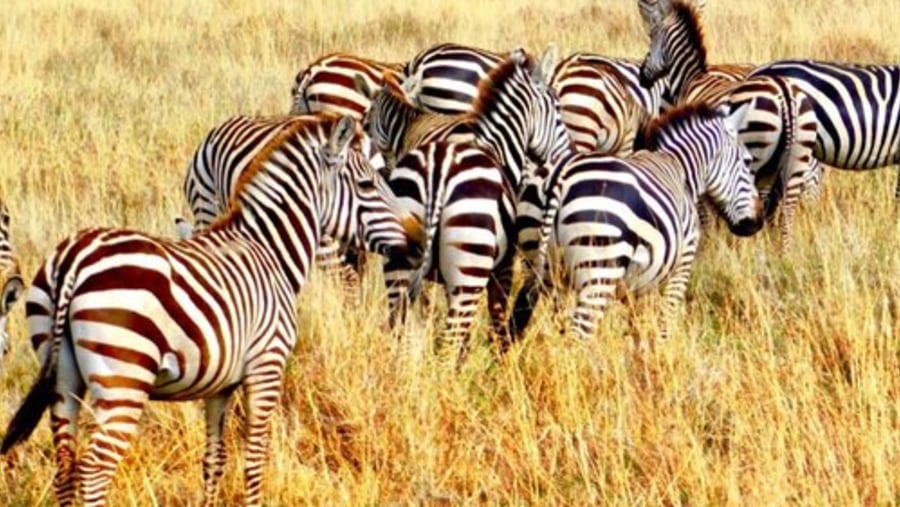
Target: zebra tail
(432,219)
(41,395)
(535,285)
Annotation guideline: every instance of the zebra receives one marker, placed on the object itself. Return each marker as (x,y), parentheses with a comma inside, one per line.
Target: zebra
(600,110)
(10,278)
(466,199)
(634,220)
(228,151)
(856,111)
(327,84)
(450,75)
(131,317)
(516,116)
(779,129)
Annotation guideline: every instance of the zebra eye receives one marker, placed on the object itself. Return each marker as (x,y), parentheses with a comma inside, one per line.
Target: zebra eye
(5,220)
(366,184)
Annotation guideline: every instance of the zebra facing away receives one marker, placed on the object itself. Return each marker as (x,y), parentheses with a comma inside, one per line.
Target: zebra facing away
(327,84)
(779,128)
(449,75)
(129,317)
(231,148)
(10,279)
(516,116)
(634,219)
(467,200)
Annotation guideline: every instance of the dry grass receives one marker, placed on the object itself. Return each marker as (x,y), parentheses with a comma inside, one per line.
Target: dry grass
(781,388)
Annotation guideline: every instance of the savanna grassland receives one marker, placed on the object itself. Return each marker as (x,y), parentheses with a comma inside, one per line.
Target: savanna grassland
(782,386)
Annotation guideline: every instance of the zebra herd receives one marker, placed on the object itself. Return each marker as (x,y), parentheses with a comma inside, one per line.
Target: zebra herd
(446,166)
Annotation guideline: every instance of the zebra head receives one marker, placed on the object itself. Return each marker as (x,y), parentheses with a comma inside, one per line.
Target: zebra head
(358,206)
(728,180)
(548,138)
(677,51)
(12,285)
(389,115)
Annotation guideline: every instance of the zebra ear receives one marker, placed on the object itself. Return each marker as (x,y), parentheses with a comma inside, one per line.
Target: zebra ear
(412,86)
(544,70)
(362,86)
(11,293)
(341,136)
(733,116)
(653,11)
(519,55)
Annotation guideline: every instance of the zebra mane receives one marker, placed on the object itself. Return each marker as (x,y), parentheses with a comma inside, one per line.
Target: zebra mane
(257,164)
(688,15)
(649,138)
(491,86)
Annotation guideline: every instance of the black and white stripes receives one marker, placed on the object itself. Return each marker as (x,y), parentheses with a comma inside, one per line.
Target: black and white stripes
(129,317)
(635,219)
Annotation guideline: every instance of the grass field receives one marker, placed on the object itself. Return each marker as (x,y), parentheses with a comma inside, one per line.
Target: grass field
(782,388)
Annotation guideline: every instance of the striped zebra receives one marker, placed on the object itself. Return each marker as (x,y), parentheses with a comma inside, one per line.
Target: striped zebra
(779,129)
(130,317)
(534,137)
(327,84)
(228,151)
(515,113)
(634,220)
(516,117)
(10,278)
(467,200)
(450,75)
(600,109)
(856,110)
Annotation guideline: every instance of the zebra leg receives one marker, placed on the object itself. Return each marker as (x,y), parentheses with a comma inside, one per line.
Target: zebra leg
(499,287)
(263,392)
(462,303)
(69,391)
(594,294)
(397,273)
(117,420)
(214,457)
(675,288)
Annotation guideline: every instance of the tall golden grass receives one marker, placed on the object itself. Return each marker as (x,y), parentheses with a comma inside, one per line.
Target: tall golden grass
(781,387)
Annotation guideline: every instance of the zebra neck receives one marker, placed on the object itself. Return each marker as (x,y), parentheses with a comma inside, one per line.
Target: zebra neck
(506,139)
(282,216)
(692,164)
(688,62)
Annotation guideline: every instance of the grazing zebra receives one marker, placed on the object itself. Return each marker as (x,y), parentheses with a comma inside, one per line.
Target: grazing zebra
(467,200)
(230,149)
(10,279)
(327,84)
(634,219)
(130,317)
(450,74)
(778,128)
(856,110)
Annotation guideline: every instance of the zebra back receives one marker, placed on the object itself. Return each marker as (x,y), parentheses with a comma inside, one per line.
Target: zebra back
(598,108)
(856,109)
(449,75)
(328,84)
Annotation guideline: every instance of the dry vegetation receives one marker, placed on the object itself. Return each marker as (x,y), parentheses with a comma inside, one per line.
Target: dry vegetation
(781,388)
